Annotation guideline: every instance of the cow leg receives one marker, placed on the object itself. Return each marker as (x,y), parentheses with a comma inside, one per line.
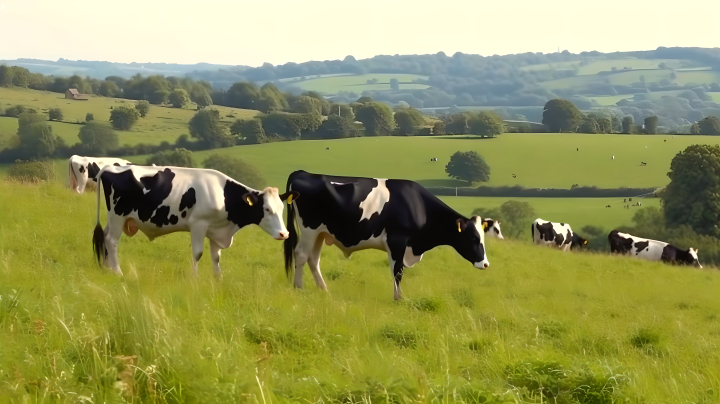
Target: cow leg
(302,254)
(396,252)
(113,231)
(215,255)
(314,263)
(197,239)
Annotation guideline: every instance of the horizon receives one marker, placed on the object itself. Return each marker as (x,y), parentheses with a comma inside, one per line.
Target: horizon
(318,30)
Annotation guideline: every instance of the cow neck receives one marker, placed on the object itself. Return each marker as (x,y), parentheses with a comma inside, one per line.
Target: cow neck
(440,229)
(239,212)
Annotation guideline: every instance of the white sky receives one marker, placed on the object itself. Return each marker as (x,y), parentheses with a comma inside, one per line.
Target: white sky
(251,32)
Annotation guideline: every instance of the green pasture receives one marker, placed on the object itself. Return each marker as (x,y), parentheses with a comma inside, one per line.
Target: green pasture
(698,77)
(161,123)
(595,66)
(537,326)
(606,100)
(358,83)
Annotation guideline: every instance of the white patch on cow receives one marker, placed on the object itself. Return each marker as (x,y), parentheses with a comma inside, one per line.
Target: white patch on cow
(693,253)
(375,201)
(79,180)
(272,221)
(478,226)
(410,259)
(558,228)
(494,230)
(653,251)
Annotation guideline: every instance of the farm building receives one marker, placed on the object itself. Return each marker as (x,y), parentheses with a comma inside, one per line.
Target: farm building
(74,94)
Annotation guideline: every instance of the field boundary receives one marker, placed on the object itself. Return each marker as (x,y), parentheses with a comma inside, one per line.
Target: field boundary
(522,192)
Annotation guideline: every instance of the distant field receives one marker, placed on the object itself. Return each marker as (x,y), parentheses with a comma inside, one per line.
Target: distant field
(633,76)
(610,99)
(602,65)
(358,83)
(161,124)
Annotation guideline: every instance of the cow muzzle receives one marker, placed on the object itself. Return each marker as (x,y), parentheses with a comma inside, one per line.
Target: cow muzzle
(283,236)
(481,265)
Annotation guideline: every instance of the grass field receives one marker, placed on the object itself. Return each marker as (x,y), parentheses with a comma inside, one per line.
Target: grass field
(161,123)
(629,77)
(537,326)
(358,83)
(595,66)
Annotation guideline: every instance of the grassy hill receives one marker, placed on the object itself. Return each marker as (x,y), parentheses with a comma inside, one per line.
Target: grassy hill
(537,326)
(591,66)
(161,124)
(359,83)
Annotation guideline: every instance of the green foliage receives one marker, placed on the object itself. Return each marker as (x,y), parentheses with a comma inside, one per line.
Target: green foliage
(14,112)
(109,89)
(236,169)
(409,121)
(394,84)
(468,166)
(176,158)
(98,139)
(36,135)
(124,117)
(458,124)
(376,117)
(205,125)
(515,216)
(55,114)
(179,98)
(272,99)
(289,125)
(202,99)
(89,117)
(251,129)
(324,104)
(143,107)
(691,198)
(308,105)
(651,124)
(401,336)
(438,128)
(709,126)
(486,124)
(628,124)
(561,115)
(33,172)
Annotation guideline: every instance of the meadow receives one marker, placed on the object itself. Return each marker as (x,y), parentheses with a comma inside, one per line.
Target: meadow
(595,66)
(358,83)
(537,326)
(696,77)
(161,124)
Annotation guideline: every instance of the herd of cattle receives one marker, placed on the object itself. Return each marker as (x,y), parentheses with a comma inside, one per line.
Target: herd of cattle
(399,217)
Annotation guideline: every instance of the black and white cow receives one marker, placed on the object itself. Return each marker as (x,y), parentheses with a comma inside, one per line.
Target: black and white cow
(84,169)
(492,228)
(558,235)
(162,200)
(397,216)
(651,250)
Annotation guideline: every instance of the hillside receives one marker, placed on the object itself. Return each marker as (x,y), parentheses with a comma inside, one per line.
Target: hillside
(537,326)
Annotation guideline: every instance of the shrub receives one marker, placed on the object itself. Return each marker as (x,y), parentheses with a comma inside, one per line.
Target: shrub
(124,117)
(143,107)
(14,112)
(97,138)
(33,171)
(89,117)
(55,114)
(176,158)
(401,338)
(236,169)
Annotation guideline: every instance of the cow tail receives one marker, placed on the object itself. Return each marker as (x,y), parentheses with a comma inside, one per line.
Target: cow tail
(73,177)
(98,234)
(291,242)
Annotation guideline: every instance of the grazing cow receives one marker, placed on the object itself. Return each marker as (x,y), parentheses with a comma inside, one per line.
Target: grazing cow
(651,250)
(558,235)
(399,217)
(514,176)
(492,228)
(642,163)
(607,206)
(327,148)
(84,169)
(162,200)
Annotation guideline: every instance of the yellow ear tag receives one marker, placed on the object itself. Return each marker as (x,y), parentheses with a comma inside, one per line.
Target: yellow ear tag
(249,201)
(289,201)
(485,225)
(459,229)
(585,242)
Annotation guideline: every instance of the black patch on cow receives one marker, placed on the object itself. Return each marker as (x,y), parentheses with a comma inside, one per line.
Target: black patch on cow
(173,219)
(184,214)
(497,231)
(93,170)
(490,223)
(160,218)
(640,246)
(239,212)
(116,164)
(547,233)
(619,244)
(188,199)
(674,255)
(128,193)
(81,169)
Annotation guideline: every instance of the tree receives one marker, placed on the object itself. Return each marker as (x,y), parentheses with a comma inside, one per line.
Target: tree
(308,105)
(178,98)
(124,117)
(468,166)
(709,126)
(176,158)
(486,124)
(324,104)
(109,89)
(376,117)
(97,138)
(651,124)
(143,107)
(202,99)
(35,135)
(515,216)
(589,125)
(628,124)
(691,198)
(89,117)
(408,121)
(55,114)
(438,128)
(205,125)
(250,129)
(394,84)
(243,95)
(561,115)
(237,169)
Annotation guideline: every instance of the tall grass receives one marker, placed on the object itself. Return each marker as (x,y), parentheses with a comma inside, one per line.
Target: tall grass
(537,326)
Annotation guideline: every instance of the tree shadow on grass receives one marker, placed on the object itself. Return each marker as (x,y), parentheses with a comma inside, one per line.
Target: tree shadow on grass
(448,182)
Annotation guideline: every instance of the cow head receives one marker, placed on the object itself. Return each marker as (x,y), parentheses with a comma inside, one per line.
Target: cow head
(692,258)
(492,228)
(269,204)
(578,242)
(470,241)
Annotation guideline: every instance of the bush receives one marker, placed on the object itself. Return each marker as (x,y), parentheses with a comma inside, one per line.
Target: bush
(89,117)
(124,117)
(14,112)
(32,172)
(55,114)
(236,169)
(143,107)
(176,158)
(468,166)
(97,138)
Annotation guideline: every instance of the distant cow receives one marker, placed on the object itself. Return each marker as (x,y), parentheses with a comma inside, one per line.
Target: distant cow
(327,148)
(607,206)
(642,163)
(163,200)
(558,235)
(651,250)
(492,228)
(84,169)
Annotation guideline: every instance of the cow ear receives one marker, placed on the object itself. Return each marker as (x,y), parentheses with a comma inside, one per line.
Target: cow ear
(461,225)
(250,198)
(485,224)
(290,196)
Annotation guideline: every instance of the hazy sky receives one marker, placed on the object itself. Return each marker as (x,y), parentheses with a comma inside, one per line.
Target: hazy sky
(280,31)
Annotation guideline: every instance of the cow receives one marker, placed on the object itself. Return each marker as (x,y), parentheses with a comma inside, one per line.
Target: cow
(161,200)
(84,169)
(642,163)
(492,228)
(558,235)
(399,217)
(651,250)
